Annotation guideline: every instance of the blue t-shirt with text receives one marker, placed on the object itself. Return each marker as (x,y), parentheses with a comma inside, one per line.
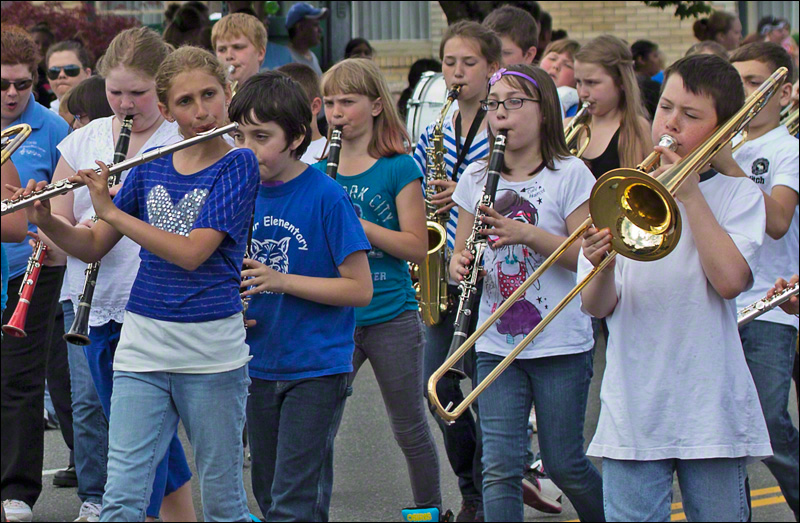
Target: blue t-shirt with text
(374,193)
(219,197)
(305,227)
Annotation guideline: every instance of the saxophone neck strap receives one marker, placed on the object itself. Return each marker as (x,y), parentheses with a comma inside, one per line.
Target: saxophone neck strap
(461,153)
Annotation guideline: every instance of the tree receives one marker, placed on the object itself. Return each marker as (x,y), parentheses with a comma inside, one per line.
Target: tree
(477,11)
(683,9)
(82,22)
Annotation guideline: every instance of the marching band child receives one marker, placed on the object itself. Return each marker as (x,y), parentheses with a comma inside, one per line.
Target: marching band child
(383,182)
(130,89)
(559,62)
(308,79)
(620,131)
(182,351)
(239,40)
(518,32)
(769,157)
(470,54)
(306,270)
(541,198)
(677,395)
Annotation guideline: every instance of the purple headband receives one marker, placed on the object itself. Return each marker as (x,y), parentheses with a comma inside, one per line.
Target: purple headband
(502,72)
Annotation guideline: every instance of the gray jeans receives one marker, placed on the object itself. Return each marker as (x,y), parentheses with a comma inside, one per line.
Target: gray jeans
(394,349)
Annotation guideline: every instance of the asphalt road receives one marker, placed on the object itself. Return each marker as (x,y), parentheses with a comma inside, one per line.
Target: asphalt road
(371,481)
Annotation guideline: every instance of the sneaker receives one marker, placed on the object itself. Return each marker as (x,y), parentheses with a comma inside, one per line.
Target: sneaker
(548,487)
(89,512)
(534,497)
(66,478)
(471,510)
(50,423)
(17,510)
(532,420)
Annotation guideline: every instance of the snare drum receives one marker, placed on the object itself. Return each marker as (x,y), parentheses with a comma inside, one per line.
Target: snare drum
(425,104)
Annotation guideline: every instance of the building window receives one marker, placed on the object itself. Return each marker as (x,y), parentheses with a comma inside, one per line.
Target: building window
(391,20)
(149,13)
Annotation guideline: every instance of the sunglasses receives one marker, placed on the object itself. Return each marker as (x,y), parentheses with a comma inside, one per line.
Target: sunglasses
(70,70)
(19,85)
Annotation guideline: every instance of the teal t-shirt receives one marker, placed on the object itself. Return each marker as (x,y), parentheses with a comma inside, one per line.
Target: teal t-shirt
(374,194)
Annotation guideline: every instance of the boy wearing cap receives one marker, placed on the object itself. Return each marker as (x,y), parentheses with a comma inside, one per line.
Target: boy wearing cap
(302,22)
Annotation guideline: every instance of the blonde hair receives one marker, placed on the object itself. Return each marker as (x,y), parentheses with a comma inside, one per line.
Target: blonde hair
(138,48)
(240,24)
(187,58)
(362,76)
(616,59)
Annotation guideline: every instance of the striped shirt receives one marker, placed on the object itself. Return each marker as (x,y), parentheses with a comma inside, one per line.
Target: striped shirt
(219,197)
(479,149)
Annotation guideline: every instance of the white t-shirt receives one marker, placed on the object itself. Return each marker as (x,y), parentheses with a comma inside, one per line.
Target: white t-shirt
(118,268)
(676,383)
(544,200)
(770,160)
(315,148)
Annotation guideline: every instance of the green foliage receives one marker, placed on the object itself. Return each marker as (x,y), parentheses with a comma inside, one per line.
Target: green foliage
(683,9)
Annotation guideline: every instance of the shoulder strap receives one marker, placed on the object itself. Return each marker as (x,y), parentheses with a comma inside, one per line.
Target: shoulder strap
(473,130)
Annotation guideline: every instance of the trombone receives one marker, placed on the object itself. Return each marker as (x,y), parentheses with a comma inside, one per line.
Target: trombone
(645,222)
(12,138)
(572,133)
(789,118)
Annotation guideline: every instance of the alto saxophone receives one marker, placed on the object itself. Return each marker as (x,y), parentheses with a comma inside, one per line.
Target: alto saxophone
(431,285)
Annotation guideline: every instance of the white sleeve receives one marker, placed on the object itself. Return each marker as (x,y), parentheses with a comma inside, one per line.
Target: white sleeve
(577,185)
(745,220)
(787,172)
(470,186)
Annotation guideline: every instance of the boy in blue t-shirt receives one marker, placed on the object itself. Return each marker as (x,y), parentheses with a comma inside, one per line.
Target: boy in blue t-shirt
(307,270)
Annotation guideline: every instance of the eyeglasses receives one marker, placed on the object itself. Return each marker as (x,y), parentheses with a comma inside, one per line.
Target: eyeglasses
(19,85)
(509,105)
(70,70)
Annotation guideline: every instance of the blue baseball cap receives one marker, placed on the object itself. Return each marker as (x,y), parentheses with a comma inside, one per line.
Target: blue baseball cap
(302,10)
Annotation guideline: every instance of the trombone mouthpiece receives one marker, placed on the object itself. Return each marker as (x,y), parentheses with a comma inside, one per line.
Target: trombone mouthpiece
(668,142)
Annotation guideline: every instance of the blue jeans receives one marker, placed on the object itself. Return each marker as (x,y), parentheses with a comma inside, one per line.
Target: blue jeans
(462,439)
(712,489)
(173,470)
(769,349)
(291,427)
(559,387)
(145,410)
(88,421)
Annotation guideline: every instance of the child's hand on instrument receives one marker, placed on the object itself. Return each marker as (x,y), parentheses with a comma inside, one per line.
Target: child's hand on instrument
(261,278)
(98,188)
(444,199)
(792,305)
(39,212)
(597,245)
(460,265)
(508,231)
(52,257)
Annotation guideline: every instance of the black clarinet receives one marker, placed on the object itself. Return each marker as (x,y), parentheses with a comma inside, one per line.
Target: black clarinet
(79,332)
(476,244)
(334,149)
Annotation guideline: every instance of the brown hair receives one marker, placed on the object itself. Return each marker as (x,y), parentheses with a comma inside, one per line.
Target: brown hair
(305,76)
(138,48)
(616,59)
(720,22)
(773,55)
(551,128)
(706,47)
(17,47)
(362,76)
(187,58)
(490,45)
(240,24)
(81,53)
(565,45)
(515,23)
(709,75)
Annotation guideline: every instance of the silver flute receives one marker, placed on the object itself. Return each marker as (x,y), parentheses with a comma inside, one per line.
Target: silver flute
(763,305)
(64,186)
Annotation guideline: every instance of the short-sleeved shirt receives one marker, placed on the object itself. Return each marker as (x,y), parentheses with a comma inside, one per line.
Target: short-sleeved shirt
(676,384)
(306,227)
(119,266)
(36,159)
(276,56)
(219,197)
(374,193)
(314,151)
(545,200)
(477,150)
(772,160)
